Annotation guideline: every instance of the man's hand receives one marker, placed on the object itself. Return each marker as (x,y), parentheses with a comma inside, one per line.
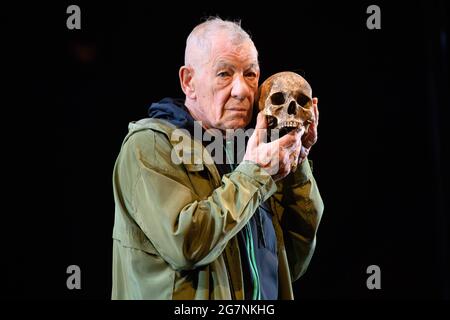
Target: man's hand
(310,138)
(276,156)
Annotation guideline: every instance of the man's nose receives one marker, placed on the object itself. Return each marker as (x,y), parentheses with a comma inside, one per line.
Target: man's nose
(240,89)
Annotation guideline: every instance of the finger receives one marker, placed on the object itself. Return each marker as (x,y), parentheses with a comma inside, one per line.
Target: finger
(294,161)
(261,126)
(289,140)
(316,110)
(261,121)
(299,136)
(296,155)
(304,153)
(312,129)
(293,154)
(311,138)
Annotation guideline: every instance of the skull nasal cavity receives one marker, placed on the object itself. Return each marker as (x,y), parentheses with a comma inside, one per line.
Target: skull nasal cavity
(292,108)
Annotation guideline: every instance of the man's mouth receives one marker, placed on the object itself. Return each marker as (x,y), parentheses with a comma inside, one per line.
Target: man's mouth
(237,109)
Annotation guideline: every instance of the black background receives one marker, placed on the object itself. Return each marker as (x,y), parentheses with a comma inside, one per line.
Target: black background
(381,160)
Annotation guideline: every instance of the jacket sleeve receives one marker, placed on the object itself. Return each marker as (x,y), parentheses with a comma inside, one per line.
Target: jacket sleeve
(299,208)
(187,230)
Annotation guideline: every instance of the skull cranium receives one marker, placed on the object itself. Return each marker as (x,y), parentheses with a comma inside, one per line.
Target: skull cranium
(286,99)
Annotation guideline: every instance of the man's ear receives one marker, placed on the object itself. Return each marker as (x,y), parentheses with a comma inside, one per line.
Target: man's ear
(186,81)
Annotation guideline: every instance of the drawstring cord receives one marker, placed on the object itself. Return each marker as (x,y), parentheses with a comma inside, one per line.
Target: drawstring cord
(248,234)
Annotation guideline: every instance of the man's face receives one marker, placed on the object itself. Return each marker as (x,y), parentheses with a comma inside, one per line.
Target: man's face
(226,84)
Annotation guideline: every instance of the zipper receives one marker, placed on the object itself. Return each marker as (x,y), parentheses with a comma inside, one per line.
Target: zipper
(259,227)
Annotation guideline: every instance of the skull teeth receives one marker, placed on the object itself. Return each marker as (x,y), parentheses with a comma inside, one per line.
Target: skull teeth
(290,124)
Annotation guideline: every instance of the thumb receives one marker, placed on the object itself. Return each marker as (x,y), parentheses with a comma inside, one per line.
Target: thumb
(261,121)
(261,126)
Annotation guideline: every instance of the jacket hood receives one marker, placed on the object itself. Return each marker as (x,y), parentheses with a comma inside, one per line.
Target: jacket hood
(173,111)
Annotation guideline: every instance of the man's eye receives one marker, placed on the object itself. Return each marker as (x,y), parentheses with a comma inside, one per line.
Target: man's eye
(251,75)
(223,74)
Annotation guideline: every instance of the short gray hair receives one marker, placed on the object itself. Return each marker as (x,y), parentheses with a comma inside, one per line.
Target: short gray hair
(200,35)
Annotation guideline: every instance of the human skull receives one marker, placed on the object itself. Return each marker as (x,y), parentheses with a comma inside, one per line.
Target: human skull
(286,99)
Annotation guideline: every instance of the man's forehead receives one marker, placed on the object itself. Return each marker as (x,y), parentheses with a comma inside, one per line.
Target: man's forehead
(228,54)
(224,63)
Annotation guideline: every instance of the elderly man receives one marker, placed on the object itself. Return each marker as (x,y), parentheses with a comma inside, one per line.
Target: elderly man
(212,229)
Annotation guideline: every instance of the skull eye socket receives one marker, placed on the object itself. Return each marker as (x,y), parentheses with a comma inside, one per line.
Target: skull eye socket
(277,98)
(303,100)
